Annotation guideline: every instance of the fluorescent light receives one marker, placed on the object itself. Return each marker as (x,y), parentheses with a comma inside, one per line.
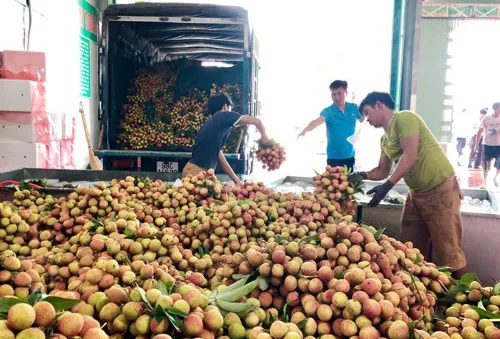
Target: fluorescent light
(215,64)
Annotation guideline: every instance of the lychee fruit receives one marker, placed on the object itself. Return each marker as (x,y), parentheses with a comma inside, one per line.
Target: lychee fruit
(213,320)
(21,316)
(369,332)
(95,333)
(371,286)
(193,325)
(70,324)
(31,333)
(348,328)
(399,330)
(278,329)
(45,313)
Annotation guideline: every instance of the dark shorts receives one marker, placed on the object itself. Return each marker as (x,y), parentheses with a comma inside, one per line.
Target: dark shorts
(341,162)
(492,152)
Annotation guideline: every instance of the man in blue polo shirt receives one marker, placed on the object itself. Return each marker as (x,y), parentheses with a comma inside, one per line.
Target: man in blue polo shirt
(340,119)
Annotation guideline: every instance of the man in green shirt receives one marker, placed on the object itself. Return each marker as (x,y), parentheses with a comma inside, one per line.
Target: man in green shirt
(431,215)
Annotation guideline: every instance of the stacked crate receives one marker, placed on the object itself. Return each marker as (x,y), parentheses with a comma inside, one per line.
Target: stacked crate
(30,135)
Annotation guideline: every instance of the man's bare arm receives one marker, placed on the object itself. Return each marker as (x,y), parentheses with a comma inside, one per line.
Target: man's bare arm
(227,168)
(383,169)
(312,125)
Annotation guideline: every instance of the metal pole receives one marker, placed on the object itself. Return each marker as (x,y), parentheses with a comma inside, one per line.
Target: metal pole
(411,15)
(397,35)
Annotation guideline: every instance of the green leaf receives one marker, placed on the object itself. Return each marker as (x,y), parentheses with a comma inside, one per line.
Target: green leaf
(411,326)
(159,314)
(467,278)
(23,185)
(98,222)
(243,202)
(238,308)
(263,284)
(379,233)
(284,315)
(237,293)
(61,304)
(130,234)
(484,314)
(312,237)
(6,303)
(240,277)
(142,293)
(170,286)
(163,288)
(175,311)
(35,297)
(439,314)
(458,289)
(448,299)
(277,239)
(485,302)
(175,321)
(51,206)
(301,324)
(445,269)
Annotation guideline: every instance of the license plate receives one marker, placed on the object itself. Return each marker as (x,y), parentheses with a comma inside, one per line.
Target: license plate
(167,166)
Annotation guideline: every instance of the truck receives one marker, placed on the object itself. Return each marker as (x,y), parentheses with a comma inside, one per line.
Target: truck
(203,44)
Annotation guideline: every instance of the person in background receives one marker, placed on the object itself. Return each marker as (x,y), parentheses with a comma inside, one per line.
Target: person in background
(490,125)
(431,216)
(462,132)
(340,119)
(476,159)
(214,134)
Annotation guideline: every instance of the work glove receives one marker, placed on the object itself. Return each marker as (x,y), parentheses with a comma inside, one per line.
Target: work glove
(380,192)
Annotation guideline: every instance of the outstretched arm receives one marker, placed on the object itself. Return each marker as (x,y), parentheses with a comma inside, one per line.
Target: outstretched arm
(312,125)
(248,120)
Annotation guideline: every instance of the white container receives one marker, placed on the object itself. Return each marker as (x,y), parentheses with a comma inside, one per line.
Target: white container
(17,126)
(17,95)
(14,155)
(24,127)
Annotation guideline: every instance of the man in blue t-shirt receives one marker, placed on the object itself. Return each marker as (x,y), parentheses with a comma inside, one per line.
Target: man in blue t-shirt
(214,134)
(340,119)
